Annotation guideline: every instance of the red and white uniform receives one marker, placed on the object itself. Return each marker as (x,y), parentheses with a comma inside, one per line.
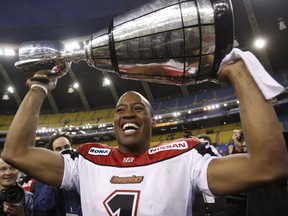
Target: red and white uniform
(161,181)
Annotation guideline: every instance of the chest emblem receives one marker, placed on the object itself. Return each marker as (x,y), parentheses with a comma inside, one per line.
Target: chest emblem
(126,180)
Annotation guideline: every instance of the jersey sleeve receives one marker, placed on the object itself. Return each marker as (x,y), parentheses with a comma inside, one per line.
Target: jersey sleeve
(199,174)
(71,173)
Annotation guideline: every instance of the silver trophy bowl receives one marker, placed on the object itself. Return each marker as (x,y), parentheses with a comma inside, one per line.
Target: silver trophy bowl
(165,41)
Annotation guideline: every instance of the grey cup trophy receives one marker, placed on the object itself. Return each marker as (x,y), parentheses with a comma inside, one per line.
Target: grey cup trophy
(165,41)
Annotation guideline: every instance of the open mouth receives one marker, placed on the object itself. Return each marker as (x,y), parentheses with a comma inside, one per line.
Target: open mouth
(130,128)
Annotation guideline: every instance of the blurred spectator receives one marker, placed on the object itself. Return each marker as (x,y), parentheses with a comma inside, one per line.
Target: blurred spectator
(52,201)
(237,202)
(223,149)
(27,182)
(8,177)
(206,138)
(239,144)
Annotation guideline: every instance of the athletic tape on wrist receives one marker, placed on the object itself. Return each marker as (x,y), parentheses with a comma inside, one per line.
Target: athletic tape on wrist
(35,85)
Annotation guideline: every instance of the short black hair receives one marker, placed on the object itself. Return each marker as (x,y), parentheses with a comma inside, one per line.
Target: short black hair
(49,145)
(205,137)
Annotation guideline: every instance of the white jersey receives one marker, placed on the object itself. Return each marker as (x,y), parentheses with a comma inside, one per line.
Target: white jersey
(161,181)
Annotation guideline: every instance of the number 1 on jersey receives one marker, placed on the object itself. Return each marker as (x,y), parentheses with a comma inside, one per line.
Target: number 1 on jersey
(122,203)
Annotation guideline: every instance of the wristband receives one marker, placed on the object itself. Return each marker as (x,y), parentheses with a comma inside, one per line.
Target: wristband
(35,85)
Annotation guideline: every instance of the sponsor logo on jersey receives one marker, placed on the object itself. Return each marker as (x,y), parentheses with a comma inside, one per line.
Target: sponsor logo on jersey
(99,151)
(171,146)
(126,180)
(128,159)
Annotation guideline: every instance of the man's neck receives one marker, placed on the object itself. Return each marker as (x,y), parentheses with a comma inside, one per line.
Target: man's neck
(135,150)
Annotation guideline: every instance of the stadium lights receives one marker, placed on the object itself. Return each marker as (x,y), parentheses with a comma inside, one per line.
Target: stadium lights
(281,24)
(235,43)
(260,43)
(158,117)
(72,87)
(45,130)
(106,82)
(5,96)
(76,85)
(7,52)
(176,114)
(88,126)
(212,107)
(10,89)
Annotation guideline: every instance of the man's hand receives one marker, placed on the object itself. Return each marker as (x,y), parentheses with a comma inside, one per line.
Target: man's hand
(41,79)
(13,209)
(229,70)
(47,79)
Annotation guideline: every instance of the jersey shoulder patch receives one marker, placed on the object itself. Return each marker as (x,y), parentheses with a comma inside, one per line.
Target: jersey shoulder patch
(94,149)
(175,146)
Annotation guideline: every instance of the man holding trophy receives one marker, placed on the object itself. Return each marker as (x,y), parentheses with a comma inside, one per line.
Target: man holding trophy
(135,179)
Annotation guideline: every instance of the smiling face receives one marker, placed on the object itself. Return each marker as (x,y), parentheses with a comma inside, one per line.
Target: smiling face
(8,175)
(133,123)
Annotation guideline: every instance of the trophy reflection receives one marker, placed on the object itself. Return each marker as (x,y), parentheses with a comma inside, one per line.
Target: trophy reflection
(171,42)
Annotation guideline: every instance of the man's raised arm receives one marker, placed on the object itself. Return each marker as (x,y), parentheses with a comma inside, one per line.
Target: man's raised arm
(19,150)
(266,160)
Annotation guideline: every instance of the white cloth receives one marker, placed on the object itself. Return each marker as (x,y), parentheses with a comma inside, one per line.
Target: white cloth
(269,87)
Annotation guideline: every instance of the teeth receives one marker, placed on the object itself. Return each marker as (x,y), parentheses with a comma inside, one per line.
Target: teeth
(130,126)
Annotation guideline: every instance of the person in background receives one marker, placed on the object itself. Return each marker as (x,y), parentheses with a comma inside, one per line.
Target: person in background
(238,142)
(208,141)
(8,178)
(53,201)
(27,182)
(237,203)
(135,179)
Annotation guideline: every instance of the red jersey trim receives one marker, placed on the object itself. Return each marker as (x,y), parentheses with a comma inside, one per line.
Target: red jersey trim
(105,155)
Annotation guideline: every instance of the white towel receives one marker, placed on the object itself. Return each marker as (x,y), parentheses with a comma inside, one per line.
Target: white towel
(269,87)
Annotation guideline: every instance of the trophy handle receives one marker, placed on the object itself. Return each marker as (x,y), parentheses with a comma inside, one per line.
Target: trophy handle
(47,55)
